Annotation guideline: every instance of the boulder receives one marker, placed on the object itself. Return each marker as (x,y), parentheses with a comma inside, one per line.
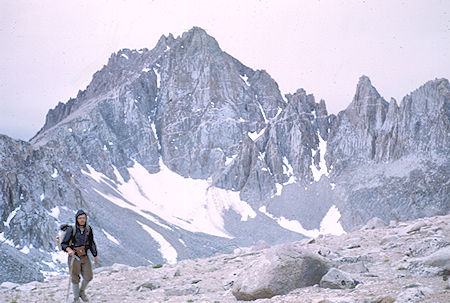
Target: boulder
(374,223)
(152,285)
(412,295)
(440,258)
(358,267)
(278,271)
(337,279)
(415,227)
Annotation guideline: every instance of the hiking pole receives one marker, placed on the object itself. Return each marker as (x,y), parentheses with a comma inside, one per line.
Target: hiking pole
(72,259)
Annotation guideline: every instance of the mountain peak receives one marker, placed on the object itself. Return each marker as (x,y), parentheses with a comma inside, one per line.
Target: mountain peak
(364,80)
(197,30)
(197,39)
(365,89)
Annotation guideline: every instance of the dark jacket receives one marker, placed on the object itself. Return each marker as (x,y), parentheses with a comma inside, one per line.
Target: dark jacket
(85,238)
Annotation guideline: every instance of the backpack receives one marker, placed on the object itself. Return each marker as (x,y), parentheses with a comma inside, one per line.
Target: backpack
(62,233)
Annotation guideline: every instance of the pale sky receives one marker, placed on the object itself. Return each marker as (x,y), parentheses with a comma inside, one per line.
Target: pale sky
(51,48)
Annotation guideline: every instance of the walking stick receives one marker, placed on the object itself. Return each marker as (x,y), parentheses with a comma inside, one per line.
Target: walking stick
(72,259)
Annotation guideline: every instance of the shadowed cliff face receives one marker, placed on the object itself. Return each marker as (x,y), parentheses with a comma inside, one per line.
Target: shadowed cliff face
(193,108)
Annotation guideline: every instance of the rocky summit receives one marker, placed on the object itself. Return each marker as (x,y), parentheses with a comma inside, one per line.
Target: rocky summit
(182,152)
(403,262)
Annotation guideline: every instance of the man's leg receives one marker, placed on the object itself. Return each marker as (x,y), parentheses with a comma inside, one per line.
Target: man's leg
(76,269)
(86,272)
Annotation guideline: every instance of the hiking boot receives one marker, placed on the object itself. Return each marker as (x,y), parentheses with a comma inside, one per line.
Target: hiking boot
(83,296)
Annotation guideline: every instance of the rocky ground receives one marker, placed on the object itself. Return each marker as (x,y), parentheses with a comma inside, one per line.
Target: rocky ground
(402,262)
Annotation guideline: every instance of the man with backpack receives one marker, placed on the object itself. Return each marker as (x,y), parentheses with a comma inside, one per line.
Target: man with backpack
(76,242)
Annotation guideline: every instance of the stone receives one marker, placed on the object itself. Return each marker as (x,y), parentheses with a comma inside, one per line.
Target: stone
(28,286)
(358,267)
(374,223)
(440,258)
(182,291)
(177,273)
(148,285)
(9,285)
(278,271)
(384,299)
(388,238)
(415,227)
(412,295)
(338,279)
(120,267)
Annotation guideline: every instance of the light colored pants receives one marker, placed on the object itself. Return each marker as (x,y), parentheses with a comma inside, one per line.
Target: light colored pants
(83,267)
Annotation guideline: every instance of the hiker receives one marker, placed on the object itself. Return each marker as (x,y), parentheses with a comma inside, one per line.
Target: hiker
(78,243)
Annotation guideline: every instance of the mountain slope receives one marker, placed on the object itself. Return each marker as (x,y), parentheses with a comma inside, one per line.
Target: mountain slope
(403,262)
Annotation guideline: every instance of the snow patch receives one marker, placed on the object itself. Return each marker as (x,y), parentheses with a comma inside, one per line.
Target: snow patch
(292,225)
(318,173)
(146,69)
(55,212)
(94,174)
(278,113)
(6,241)
(105,148)
(262,112)
(228,160)
(125,56)
(195,205)
(329,224)
(70,130)
(49,264)
(158,77)
(182,242)
(245,78)
(288,171)
(11,216)
(59,257)
(42,197)
(167,251)
(110,237)
(55,173)
(256,135)
(279,189)
(25,250)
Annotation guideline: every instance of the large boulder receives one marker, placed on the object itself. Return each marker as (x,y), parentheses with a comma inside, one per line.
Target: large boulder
(337,279)
(440,259)
(278,271)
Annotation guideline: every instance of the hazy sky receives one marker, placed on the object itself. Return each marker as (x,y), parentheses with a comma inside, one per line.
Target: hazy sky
(50,49)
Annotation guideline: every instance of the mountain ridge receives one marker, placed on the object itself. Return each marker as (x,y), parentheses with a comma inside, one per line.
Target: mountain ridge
(189,108)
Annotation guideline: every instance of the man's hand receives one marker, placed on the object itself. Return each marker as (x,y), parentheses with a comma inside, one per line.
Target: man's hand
(70,251)
(96,260)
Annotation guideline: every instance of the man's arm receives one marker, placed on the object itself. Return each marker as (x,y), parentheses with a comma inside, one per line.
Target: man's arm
(65,242)
(93,247)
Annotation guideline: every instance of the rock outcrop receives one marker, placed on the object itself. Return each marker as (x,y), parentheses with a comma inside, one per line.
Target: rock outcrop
(278,271)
